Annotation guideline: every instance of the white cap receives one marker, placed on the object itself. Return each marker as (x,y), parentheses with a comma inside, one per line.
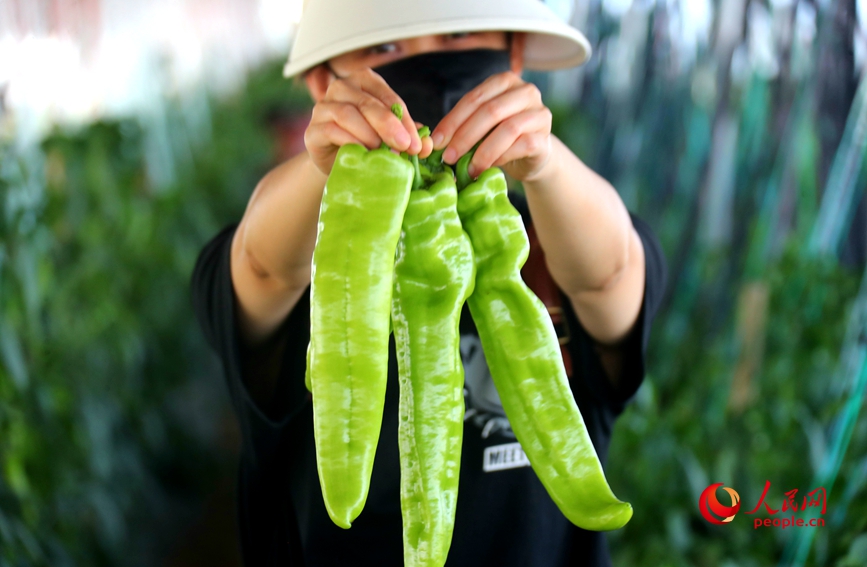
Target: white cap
(330,28)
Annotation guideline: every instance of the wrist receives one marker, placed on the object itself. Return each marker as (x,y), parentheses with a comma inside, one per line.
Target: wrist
(312,170)
(549,171)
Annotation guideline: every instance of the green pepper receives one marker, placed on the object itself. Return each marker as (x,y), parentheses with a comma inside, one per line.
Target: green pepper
(433,276)
(524,359)
(360,218)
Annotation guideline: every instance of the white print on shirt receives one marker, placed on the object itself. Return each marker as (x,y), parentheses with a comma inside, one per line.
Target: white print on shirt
(502,457)
(484,408)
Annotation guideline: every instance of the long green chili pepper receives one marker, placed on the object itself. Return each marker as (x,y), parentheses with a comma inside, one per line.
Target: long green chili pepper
(433,276)
(524,358)
(350,305)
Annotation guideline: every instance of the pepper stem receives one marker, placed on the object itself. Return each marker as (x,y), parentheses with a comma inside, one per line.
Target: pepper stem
(417,180)
(462,174)
(397,110)
(436,157)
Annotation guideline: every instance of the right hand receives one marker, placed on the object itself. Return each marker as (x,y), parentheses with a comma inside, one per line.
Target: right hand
(357,110)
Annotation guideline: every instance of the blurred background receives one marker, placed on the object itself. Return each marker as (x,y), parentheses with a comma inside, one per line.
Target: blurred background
(131,131)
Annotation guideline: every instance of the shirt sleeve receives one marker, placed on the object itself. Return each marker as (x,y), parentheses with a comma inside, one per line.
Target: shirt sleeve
(589,365)
(214,304)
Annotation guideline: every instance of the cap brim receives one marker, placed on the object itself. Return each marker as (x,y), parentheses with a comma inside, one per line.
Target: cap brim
(550,44)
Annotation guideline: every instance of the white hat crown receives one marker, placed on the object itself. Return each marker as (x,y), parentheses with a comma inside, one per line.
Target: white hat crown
(330,28)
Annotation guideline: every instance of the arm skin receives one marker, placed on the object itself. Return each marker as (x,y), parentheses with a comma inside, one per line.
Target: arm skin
(273,246)
(270,266)
(592,250)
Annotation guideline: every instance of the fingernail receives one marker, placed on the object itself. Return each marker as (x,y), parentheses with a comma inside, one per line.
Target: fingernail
(402,138)
(437,140)
(472,171)
(450,155)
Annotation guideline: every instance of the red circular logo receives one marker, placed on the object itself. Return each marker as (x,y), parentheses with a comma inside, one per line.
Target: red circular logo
(711,508)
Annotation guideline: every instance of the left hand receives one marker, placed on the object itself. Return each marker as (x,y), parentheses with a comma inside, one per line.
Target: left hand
(519,125)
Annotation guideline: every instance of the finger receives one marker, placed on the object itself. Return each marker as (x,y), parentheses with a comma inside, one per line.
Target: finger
(347,117)
(324,136)
(489,115)
(373,110)
(426,143)
(501,141)
(492,87)
(427,147)
(536,144)
(369,81)
(375,107)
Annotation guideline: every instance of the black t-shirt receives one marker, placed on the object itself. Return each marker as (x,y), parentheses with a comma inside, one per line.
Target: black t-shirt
(504,515)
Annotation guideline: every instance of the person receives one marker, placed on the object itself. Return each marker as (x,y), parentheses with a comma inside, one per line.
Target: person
(454,65)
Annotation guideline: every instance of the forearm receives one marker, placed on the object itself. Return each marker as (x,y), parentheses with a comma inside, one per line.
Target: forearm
(273,246)
(582,223)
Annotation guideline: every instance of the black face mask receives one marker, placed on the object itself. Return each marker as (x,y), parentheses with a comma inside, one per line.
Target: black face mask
(431,84)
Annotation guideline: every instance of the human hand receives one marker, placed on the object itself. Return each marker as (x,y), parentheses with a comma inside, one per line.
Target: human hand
(519,125)
(357,110)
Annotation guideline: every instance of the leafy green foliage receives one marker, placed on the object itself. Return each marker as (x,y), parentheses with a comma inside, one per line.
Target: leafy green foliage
(682,434)
(743,377)
(110,401)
